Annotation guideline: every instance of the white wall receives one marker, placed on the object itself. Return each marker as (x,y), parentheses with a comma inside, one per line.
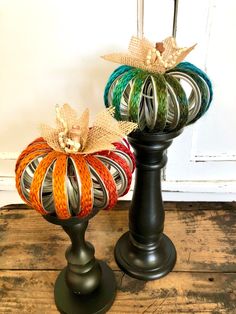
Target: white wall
(50,54)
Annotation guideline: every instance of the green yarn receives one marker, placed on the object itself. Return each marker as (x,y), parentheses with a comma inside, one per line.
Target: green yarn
(120,88)
(159,100)
(181,98)
(160,94)
(136,95)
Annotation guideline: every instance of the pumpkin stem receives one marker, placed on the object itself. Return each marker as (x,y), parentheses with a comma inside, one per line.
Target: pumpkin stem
(160,47)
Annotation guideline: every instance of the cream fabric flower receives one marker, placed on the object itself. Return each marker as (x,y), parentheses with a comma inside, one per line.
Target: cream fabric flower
(73,135)
(153,58)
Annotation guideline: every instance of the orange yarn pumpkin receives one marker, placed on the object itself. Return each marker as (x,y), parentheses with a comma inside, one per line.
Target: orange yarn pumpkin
(68,185)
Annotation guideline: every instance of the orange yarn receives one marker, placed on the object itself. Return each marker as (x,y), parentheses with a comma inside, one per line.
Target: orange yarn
(106,178)
(40,148)
(20,167)
(86,201)
(35,189)
(38,144)
(59,187)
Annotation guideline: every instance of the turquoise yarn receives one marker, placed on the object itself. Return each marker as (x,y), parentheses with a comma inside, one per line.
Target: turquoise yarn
(156,108)
(193,68)
(119,71)
(204,94)
(120,88)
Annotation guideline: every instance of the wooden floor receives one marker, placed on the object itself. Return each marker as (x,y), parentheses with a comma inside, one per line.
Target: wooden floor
(203,280)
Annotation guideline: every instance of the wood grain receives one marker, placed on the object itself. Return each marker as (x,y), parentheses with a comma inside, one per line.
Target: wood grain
(32,292)
(205,240)
(124,205)
(203,281)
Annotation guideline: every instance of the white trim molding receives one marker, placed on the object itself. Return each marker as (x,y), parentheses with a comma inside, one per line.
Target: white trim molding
(209,191)
(8,193)
(220,157)
(189,191)
(196,191)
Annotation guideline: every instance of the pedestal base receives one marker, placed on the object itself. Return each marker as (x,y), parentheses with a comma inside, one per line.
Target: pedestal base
(99,301)
(145,263)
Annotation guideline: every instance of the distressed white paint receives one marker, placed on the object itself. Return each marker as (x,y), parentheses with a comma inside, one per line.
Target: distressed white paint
(207,150)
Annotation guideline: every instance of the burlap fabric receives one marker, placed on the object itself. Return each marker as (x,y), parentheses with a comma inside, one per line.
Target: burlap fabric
(73,134)
(147,56)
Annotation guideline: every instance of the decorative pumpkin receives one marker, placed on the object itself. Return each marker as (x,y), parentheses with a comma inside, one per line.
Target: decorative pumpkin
(154,89)
(69,184)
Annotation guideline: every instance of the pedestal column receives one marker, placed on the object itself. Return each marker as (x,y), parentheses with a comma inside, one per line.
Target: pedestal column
(86,285)
(145,252)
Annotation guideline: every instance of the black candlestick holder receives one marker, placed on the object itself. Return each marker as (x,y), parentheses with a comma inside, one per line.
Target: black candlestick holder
(145,252)
(86,285)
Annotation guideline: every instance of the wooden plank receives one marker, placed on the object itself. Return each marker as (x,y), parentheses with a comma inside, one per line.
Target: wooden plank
(205,240)
(124,205)
(32,291)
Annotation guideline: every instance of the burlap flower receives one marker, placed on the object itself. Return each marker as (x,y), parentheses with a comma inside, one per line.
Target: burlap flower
(73,134)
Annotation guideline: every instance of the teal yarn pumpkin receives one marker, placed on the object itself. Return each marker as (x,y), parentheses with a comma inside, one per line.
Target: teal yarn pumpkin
(159,102)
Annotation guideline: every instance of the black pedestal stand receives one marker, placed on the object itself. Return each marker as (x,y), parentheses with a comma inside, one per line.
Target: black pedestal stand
(86,285)
(145,252)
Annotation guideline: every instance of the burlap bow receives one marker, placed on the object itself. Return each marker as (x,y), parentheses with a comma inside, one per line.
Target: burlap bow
(73,134)
(153,58)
